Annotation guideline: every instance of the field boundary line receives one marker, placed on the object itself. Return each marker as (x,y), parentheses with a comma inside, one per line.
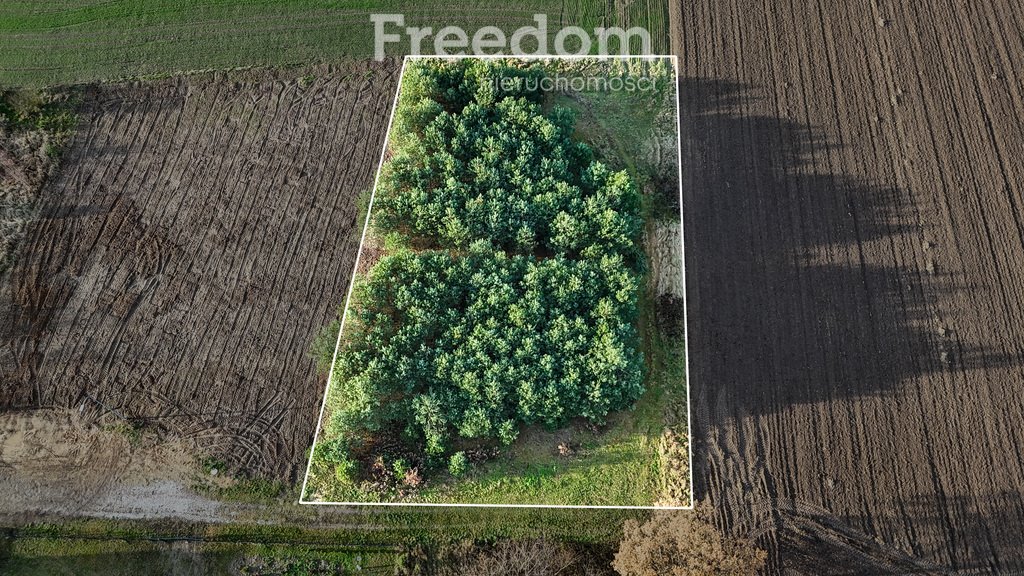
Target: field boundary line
(686,339)
(352,282)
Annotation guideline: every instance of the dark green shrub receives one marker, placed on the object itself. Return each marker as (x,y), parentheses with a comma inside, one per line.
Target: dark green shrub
(507,295)
(458,464)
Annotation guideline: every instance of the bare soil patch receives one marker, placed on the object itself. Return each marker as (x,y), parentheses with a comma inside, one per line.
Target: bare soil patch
(57,462)
(200,232)
(854,219)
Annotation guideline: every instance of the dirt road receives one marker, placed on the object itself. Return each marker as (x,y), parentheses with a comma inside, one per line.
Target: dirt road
(855,244)
(201,232)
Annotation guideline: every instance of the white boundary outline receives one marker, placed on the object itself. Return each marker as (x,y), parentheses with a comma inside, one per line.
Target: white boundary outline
(686,334)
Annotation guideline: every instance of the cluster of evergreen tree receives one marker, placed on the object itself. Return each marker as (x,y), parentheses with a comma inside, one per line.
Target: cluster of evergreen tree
(519,302)
(472,162)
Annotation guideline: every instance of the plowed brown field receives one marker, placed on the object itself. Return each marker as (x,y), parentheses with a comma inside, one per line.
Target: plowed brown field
(854,219)
(203,229)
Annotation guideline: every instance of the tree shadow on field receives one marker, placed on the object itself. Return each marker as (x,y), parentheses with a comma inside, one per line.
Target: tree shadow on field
(804,286)
(979,534)
(787,301)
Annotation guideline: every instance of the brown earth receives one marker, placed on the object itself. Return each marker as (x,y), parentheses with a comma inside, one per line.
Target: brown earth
(854,225)
(54,462)
(200,233)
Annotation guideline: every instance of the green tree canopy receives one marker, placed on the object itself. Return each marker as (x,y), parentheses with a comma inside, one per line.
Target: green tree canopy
(512,297)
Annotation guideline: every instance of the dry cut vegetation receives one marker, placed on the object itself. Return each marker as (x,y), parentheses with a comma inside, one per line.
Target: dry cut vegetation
(684,544)
(34,127)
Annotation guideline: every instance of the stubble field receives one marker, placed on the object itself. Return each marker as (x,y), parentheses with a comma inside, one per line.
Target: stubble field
(855,244)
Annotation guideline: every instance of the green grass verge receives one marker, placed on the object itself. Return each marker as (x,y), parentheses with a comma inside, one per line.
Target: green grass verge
(29,556)
(370,539)
(363,528)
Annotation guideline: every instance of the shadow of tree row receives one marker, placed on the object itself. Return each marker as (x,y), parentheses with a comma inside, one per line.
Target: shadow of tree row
(788,303)
(803,285)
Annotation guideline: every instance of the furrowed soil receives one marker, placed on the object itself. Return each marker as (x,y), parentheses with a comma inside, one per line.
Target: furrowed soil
(201,231)
(854,220)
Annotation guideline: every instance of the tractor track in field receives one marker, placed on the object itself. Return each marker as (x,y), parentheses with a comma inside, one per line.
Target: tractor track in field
(200,233)
(853,219)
